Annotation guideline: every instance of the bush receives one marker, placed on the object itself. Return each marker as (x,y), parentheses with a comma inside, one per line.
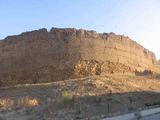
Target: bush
(152,104)
(67,97)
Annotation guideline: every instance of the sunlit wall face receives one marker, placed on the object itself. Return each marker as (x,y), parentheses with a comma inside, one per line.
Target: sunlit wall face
(138,19)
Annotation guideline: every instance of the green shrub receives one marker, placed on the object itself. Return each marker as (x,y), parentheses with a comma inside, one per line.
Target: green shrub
(67,97)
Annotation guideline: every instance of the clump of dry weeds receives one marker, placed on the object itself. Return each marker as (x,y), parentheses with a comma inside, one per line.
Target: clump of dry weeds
(6,103)
(28,102)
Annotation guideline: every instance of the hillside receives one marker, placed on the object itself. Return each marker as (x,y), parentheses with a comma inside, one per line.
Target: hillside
(59,54)
(68,74)
(86,98)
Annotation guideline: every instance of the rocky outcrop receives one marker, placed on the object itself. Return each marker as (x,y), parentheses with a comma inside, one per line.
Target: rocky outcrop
(42,56)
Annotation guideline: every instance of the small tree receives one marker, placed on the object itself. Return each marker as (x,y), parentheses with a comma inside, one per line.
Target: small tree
(109,100)
(36,76)
(1,82)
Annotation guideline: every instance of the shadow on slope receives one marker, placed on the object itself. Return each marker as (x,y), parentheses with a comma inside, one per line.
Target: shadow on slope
(52,103)
(148,73)
(117,103)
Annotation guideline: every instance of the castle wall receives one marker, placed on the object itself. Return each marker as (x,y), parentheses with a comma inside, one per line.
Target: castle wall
(42,56)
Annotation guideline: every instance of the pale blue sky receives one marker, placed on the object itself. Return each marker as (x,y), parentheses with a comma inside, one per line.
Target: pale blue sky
(138,19)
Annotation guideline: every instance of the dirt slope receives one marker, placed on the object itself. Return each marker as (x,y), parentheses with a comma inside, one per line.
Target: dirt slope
(92,97)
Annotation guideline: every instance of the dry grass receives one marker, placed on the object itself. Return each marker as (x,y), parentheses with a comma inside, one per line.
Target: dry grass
(28,102)
(6,103)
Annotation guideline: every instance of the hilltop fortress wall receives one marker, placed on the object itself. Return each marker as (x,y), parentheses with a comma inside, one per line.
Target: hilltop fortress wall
(42,56)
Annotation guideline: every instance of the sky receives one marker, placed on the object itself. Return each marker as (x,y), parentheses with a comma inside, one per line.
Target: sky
(138,19)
